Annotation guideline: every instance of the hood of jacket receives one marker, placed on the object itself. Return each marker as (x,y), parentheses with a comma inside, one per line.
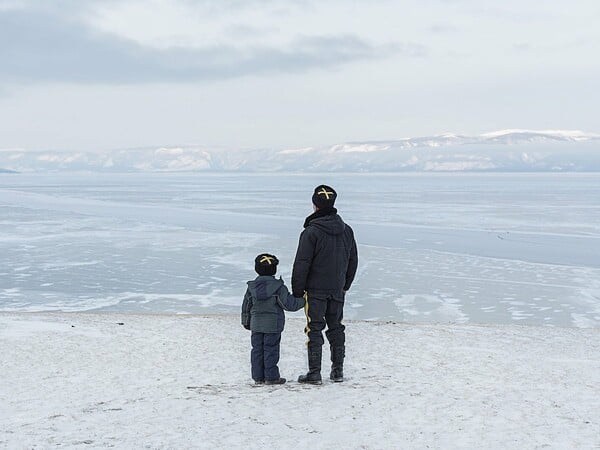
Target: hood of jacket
(326,220)
(264,286)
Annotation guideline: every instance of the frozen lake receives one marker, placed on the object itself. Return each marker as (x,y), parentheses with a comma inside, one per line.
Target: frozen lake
(480,248)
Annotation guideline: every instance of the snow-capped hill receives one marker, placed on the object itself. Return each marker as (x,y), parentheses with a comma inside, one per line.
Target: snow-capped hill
(505,150)
(523,135)
(357,148)
(507,137)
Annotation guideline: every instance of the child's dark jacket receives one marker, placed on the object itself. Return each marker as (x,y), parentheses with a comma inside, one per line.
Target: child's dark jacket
(264,302)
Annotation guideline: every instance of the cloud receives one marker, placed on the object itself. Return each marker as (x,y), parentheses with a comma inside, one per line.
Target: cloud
(39,47)
(443,28)
(522,47)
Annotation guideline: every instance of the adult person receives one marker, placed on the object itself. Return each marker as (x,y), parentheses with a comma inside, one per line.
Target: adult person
(324,268)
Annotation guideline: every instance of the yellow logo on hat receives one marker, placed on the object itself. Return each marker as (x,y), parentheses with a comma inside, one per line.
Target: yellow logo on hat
(325,192)
(266,259)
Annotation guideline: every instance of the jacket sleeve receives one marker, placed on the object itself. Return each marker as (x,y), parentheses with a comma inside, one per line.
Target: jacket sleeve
(352,265)
(302,263)
(288,302)
(246,306)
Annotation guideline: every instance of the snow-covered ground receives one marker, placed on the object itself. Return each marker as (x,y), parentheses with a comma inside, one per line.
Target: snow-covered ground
(172,381)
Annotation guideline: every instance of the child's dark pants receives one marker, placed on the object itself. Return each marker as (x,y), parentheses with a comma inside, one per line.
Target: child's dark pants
(265,356)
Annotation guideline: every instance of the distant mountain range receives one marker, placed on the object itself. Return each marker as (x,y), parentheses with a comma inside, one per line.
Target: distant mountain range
(6,170)
(503,151)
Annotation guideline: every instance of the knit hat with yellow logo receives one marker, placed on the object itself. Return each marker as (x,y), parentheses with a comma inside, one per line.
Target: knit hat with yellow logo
(266,264)
(324,197)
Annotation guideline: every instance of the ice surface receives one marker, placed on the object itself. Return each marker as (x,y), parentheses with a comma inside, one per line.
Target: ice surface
(494,248)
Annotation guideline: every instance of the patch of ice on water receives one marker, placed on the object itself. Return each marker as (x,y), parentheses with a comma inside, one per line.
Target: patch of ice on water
(517,314)
(440,307)
(72,305)
(583,321)
(214,298)
(65,264)
(11,292)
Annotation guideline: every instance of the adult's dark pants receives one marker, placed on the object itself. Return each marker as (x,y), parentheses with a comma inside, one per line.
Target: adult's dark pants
(325,310)
(265,356)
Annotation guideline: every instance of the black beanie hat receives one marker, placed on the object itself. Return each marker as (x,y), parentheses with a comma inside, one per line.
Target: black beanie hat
(266,264)
(324,196)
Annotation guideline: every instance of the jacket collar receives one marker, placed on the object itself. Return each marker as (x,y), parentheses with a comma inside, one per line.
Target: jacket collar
(265,277)
(319,213)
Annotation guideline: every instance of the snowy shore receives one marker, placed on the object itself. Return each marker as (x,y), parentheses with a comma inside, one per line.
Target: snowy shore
(167,381)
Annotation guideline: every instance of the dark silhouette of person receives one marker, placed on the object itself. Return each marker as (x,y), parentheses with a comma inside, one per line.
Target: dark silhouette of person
(324,269)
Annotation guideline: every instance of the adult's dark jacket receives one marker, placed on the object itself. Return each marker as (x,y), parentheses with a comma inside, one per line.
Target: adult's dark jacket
(327,258)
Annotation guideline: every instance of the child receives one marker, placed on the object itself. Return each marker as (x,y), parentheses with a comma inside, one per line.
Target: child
(262,313)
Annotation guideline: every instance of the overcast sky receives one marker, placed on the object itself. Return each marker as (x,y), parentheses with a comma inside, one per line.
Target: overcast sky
(103,74)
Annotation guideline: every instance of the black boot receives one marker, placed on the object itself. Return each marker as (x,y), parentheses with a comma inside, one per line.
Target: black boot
(277,381)
(314,367)
(337,363)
